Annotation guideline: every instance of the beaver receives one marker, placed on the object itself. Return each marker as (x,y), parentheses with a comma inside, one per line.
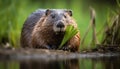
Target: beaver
(45,28)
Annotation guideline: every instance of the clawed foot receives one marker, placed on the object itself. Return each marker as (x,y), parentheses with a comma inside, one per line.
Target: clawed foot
(65,48)
(51,47)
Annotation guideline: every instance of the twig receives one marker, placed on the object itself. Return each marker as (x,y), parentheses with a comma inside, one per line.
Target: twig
(92,24)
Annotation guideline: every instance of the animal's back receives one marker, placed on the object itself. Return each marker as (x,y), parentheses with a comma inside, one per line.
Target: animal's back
(29,25)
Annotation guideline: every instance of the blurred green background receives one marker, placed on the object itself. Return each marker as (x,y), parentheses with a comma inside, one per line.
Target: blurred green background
(13,13)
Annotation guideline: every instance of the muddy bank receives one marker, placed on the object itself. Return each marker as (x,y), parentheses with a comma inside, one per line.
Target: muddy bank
(43,54)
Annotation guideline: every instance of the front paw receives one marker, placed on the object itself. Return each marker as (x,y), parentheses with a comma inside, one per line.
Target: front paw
(65,48)
(48,47)
(51,47)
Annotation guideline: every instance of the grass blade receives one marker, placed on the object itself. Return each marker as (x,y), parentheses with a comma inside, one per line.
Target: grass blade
(70,32)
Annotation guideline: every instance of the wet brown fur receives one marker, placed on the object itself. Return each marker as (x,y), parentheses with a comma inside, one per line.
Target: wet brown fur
(43,36)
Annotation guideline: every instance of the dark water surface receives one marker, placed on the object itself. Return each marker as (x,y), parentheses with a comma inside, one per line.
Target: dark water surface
(83,61)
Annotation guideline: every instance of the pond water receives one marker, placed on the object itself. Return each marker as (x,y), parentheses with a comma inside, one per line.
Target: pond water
(83,62)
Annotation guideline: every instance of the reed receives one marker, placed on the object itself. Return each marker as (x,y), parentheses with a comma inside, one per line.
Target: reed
(69,33)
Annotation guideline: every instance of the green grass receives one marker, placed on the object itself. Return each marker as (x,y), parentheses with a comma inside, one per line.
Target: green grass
(13,14)
(69,33)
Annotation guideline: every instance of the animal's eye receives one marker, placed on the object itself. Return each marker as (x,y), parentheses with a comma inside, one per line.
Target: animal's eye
(53,16)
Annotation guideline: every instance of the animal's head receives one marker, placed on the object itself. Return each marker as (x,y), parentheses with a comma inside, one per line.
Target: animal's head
(59,19)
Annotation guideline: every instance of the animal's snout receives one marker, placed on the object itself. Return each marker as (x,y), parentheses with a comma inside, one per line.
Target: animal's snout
(60,25)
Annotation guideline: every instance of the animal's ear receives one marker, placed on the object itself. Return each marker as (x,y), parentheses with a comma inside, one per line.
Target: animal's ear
(69,12)
(47,12)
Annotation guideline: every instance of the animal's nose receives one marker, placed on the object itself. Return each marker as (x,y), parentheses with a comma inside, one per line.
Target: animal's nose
(60,25)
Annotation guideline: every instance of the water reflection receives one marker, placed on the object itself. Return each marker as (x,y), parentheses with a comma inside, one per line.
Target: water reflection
(111,63)
(40,64)
(81,63)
